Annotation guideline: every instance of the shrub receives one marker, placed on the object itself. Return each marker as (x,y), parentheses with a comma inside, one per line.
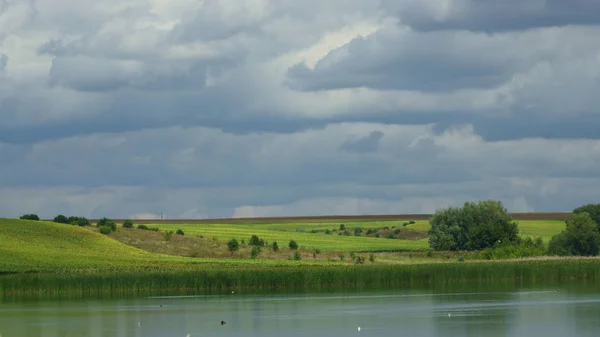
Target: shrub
(179,232)
(81,221)
(346,232)
(297,256)
(475,226)
(30,217)
(168,235)
(128,224)
(357,231)
(342,256)
(255,251)
(233,245)
(412,222)
(255,241)
(275,246)
(327,231)
(342,227)
(359,260)
(108,223)
(372,258)
(61,219)
(74,223)
(404,224)
(105,230)
(581,237)
(293,244)
(143,227)
(352,255)
(370,231)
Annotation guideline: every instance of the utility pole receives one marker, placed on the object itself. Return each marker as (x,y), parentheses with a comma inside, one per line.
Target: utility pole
(161,215)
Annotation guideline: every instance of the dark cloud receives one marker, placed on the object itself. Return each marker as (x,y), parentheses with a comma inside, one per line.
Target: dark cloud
(366,144)
(493,16)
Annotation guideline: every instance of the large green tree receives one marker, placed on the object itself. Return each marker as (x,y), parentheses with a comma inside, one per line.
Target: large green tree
(581,237)
(474,226)
(592,209)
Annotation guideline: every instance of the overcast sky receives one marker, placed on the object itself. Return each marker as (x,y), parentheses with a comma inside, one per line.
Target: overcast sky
(220,108)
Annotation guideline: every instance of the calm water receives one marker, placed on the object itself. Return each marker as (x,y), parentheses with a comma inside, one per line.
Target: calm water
(535,311)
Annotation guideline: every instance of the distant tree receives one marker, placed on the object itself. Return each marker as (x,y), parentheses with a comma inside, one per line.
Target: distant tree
(297,256)
(233,245)
(293,244)
(30,217)
(81,221)
(275,246)
(592,209)
(255,251)
(128,223)
(581,237)
(357,231)
(179,232)
(255,241)
(108,223)
(168,235)
(475,226)
(105,230)
(61,219)
(342,227)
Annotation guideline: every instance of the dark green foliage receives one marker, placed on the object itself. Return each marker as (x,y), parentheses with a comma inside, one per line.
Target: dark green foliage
(146,228)
(357,231)
(61,219)
(255,251)
(412,222)
(108,223)
(372,258)
(81,221)
(581,237)
(179,232)
(275,246)
(346,232)
(233,245)
(371,231)
(255,241)
(526,248)
(404,224)
(475,226)
(592,209)
(359,259)
(342,227)
(128,224)
(293,244)
(105,230)
(30,217)
(327,231)
(297,256)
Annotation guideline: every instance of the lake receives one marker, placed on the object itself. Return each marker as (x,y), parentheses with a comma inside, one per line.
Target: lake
(565,310)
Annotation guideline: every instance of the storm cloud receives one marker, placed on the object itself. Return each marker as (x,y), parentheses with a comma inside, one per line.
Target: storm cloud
(261,107)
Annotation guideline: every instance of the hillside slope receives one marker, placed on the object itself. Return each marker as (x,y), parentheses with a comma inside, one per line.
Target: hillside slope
(46,246)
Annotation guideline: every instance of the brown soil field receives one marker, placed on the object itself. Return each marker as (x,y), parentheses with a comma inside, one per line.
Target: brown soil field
(349,218)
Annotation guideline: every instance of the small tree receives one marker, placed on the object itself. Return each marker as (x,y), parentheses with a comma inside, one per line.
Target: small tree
(275,246)
(105,230)
(233,245)
(108,223)
(179,232)
(255,251)
(342,227)
(30,217)
(297,256)
(357,231)
(581,237)
(255,241)
(81,221)
(293,244)
(61,219)
(168,235)
(128,223)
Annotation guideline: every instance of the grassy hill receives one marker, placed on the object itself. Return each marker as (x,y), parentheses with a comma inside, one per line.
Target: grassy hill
(46,246)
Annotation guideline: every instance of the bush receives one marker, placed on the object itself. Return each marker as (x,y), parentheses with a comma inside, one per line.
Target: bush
(233,245)
(357,231)
(372,258)
(30,217)
(128,224)
(61,219)
(342,227)
(105,230)
(371,231)
(179,232)
(412,222)
(275,246)
(327,231)
(581,237)
(297,256)
(108,223)
(255,241)
(359,260)
(342,256)
(404,224)
(168,235)
(81,221)
(255,251)
(143,227)
(293,244)
(475,226)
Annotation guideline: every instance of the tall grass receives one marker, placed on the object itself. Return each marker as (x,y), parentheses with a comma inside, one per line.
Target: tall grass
(295,278)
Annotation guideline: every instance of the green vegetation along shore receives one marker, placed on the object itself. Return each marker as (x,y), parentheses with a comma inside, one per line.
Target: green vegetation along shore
(72,254)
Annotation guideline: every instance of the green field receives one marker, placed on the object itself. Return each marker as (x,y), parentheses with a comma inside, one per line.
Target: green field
(301,232)
(27,246)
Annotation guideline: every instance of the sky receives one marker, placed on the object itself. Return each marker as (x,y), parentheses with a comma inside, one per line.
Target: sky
(241,108)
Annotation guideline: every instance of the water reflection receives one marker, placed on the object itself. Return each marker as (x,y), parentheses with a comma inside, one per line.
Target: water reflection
(507,310)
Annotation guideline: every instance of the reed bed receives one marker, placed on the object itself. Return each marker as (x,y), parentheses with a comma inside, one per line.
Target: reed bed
(218,278)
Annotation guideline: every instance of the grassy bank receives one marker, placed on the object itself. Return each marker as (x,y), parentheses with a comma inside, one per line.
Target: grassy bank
(293,278)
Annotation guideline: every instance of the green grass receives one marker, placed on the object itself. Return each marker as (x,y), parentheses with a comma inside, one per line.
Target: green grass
(40,246)
(284,232)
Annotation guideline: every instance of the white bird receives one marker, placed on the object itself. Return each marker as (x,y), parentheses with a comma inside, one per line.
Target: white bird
(449,315)
(139,324)
(188,335)
(358,328)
